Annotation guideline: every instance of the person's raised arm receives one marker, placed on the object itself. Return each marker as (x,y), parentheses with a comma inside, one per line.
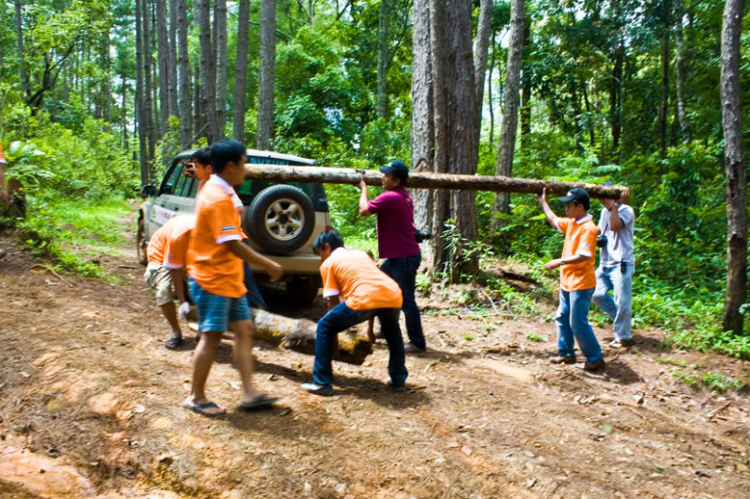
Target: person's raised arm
(363,200)
(551,217)
(242,250)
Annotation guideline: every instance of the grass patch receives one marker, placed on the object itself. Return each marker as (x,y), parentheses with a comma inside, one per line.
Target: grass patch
(716,382)
(672,362)
(535,337)
(52,227)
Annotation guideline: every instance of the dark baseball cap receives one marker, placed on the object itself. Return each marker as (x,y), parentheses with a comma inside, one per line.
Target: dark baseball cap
(578,195)
(398,169)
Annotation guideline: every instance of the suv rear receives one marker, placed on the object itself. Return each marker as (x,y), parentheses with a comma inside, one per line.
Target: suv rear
(281,220)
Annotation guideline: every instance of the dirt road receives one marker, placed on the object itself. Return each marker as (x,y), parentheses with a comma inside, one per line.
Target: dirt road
(89,407)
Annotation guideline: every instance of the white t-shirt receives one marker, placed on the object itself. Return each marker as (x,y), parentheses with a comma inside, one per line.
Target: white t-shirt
(619,243)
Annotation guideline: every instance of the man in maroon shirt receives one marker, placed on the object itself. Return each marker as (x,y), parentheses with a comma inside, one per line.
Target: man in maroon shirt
(397,243)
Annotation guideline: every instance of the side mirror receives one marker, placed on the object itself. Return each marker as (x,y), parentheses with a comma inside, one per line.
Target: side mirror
(148,191)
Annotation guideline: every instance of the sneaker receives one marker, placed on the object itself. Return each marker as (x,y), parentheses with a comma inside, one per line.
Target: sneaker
(379,335)
(568,359)
(592,367)
(621,343)
(412,348)
(389,384)
(317,389)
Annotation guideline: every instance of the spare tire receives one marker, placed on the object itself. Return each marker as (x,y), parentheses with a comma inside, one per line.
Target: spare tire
(280,219)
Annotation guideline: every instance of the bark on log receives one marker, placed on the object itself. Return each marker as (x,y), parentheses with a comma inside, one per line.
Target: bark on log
(299,335)
(313,174)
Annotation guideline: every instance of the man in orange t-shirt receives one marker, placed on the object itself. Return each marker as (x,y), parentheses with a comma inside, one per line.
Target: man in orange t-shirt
(369,292)
(577,279)
(215,258)
(165,272)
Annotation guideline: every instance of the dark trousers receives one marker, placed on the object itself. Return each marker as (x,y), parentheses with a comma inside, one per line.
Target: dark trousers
(254,298)
(404,271)
(340,318)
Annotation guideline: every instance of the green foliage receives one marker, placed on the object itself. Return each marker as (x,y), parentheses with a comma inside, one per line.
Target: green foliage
(535,337)
(714,381)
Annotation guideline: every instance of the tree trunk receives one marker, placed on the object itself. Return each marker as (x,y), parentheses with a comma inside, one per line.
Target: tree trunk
(682,66)
(439,181)
(124,114)
(267,73)
(440,91)
(208,70)
(174,109)
(734,167)
(491,139)
(422,124)
(21,53)
(526,90)
(220,15)
(186,131)
(664,109)
(147,118)
(510,109)
(615,90)
(162,52)
(463,153)
(240,71)
(383,39)
(198,111)
(140,91)
(481,53)
(299,335)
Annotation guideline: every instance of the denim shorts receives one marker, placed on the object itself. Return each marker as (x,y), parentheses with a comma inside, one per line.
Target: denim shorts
(215,312)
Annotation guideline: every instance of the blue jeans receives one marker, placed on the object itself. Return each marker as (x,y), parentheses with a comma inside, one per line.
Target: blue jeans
(572,322)
(254,298)
(340,318)
(404,271)
(620,280)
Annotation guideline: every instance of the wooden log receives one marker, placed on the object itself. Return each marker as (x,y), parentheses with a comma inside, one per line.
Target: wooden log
(492,183)
(299,335)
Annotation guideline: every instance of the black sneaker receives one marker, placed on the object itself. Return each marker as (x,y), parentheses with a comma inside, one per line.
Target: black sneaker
(596,366)
(316,389)
(568,359)
(621,343)
(412,348)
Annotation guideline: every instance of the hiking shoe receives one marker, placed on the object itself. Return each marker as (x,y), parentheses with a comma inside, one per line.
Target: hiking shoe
(621,343)
(412,348)
(568,359)
(316,389)
(389,384)
(595,366)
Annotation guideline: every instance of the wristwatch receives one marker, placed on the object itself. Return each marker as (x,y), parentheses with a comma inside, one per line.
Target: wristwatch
(616,205)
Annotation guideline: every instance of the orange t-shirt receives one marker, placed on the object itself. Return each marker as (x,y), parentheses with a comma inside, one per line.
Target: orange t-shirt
(580,239)
(354,275)
(168,246)
(210,262)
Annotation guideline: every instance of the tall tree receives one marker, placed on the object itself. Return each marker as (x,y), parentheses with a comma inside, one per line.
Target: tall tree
(162,53)
(174,109)
(440,88)
(463,152)
(21,53)
(147,118)
(682,66)
(208,70)
(140,91)
(734,167)
(220,22)
(184,65)
(481,54)
(383,24)
(422,125)
(664,108)
(510,109)
(267,72)
(240,71)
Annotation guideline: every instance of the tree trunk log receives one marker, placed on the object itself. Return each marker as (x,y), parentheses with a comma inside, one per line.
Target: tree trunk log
(314,174)
(299,335)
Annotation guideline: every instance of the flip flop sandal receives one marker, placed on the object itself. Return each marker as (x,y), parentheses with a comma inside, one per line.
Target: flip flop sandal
(173,343)
(262,400)
(200,409)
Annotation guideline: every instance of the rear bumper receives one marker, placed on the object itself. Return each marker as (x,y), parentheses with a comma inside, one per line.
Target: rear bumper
(294,265)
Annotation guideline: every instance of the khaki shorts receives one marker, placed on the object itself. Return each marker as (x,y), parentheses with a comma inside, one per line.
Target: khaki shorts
(158,278)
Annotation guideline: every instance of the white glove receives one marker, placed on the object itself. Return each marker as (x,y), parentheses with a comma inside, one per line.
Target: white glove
(184,310)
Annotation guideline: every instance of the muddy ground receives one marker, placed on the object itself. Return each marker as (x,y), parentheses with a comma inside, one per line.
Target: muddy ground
(90,407)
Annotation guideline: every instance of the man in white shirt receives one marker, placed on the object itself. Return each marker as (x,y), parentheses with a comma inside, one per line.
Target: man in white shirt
(616,267)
